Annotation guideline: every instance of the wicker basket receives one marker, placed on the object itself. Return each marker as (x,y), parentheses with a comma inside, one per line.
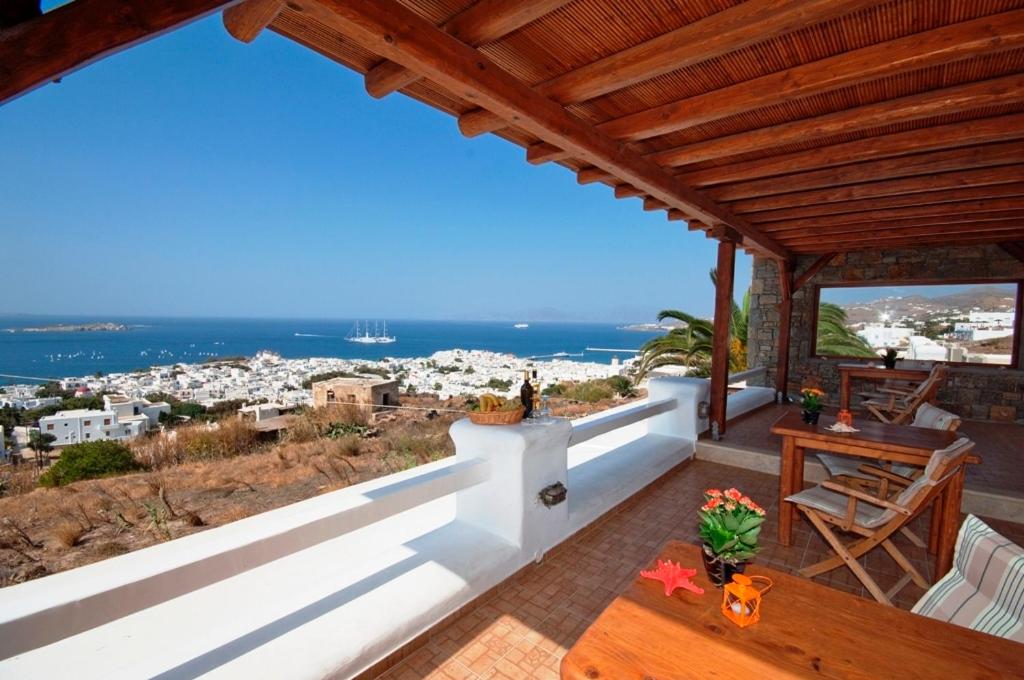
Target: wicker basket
(497,417)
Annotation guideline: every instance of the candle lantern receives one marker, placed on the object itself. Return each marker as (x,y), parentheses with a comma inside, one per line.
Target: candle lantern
(845,417)
(741,599)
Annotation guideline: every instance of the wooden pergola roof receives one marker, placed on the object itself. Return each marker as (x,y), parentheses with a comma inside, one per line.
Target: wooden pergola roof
(791,126)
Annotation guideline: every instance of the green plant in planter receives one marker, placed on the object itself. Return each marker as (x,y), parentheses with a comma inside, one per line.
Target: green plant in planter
(730,524)
(811,399)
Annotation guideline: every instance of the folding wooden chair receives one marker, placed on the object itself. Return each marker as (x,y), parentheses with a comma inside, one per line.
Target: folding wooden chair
(898,407)
(875,519)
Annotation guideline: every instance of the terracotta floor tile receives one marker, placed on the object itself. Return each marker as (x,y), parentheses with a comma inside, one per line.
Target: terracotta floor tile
(530,623)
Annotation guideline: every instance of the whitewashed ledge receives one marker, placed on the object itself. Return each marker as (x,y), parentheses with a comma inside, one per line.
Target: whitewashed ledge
(328,586)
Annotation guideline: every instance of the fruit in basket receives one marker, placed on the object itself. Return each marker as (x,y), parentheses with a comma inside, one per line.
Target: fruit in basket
(489,403)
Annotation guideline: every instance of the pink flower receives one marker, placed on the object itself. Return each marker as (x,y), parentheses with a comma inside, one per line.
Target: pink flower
(712,504)
(732,494)
(759,511)
(746,502)
(713,493)
(730,506)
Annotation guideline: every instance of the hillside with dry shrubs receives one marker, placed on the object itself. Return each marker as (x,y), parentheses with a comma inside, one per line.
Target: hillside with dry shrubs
(203,475)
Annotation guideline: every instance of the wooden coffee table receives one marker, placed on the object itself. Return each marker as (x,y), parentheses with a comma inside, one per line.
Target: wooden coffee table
(882,441)
(806,631)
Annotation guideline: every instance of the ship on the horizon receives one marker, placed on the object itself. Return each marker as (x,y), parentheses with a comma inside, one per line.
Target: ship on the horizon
(521,325)
(379,337)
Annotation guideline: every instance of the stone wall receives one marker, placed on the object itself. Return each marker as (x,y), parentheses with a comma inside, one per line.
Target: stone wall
(972,391)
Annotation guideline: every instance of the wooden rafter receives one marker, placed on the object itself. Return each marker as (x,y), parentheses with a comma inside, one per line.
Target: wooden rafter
(1004,221)
(815,267)
(479,24)
(711,37)
(966,238)
(994,92)
(931,48)
(1014,248)
(246,20)
(953,135)
(908,185)
(883,216)
(74,35)
(947,160)
(926,200)
(399,34)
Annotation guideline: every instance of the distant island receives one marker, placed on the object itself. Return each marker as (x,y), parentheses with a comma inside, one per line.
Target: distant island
(74,328)
(650,327)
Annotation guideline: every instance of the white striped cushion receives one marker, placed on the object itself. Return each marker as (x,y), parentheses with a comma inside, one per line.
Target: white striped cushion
(985,589)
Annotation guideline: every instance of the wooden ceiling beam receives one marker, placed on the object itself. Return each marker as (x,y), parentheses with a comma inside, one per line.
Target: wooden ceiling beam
(676,215)
(592,174)
(951,231)
(399,34)
(651,204)
(246,20)
(953,135)
(627,191)
(542,152)
(810,272)
(975,38)
(987,155)
(720,33)
(882,216)
(908,185)
(479,24)
(972,238)
(1015,249)
(66,38)
(976,95)
(867,229)
(926,200)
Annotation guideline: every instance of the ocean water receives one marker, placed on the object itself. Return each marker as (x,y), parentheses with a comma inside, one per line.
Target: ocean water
(157,341)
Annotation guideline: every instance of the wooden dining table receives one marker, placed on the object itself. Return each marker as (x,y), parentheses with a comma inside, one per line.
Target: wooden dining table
(806,630)
(847,372)
(880,441)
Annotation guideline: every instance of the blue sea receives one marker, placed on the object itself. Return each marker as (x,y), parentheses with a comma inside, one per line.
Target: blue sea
(162,341)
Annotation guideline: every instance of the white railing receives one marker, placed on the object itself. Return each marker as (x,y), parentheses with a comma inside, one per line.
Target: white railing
(617,418)
(492,486)
(747,375)
(68,603)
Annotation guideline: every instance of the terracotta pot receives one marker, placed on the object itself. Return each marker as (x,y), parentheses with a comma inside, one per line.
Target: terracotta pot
(810,417)
(719,571)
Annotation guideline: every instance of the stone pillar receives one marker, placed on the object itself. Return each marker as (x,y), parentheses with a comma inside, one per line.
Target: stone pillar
(524,459)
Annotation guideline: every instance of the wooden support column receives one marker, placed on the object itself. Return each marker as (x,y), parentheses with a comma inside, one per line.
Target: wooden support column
(722,339)
(785,321)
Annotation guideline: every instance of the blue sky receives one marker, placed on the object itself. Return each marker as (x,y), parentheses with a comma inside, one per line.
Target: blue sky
(198,176)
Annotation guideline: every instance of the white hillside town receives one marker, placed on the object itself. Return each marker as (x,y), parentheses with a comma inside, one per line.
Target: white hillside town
(269,377)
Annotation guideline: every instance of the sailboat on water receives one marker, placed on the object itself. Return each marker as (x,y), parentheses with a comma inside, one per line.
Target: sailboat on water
(379,337)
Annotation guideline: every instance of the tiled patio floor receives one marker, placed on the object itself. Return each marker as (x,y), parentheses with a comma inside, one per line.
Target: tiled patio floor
(1001,446)
(528,624)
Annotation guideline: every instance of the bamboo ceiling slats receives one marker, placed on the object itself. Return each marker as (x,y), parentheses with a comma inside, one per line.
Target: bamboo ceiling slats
(874,122)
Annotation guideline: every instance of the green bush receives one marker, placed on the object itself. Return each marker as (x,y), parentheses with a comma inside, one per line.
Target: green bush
(499,384)
(90,460)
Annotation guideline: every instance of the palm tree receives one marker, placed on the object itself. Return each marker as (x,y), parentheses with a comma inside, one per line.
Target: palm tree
(835,338)
(691,344)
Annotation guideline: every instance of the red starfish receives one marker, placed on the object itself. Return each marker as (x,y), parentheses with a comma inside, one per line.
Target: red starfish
(673,575)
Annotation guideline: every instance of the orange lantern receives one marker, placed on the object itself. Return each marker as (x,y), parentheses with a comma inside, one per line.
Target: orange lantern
(845,417)
(741,600)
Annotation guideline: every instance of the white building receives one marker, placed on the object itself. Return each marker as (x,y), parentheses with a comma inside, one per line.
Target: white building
(925,349)
(121,418)
(877,335)
(28,403)
(127,409)
(985,326)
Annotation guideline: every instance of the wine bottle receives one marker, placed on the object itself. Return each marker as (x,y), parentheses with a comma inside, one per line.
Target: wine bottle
(526,394)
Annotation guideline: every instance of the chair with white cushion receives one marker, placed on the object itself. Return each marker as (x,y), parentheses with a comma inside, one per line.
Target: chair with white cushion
(984,590)
(831,506)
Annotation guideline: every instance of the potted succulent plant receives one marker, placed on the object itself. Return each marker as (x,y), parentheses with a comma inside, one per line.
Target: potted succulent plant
(810,401)
(729,527)
(890,358)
